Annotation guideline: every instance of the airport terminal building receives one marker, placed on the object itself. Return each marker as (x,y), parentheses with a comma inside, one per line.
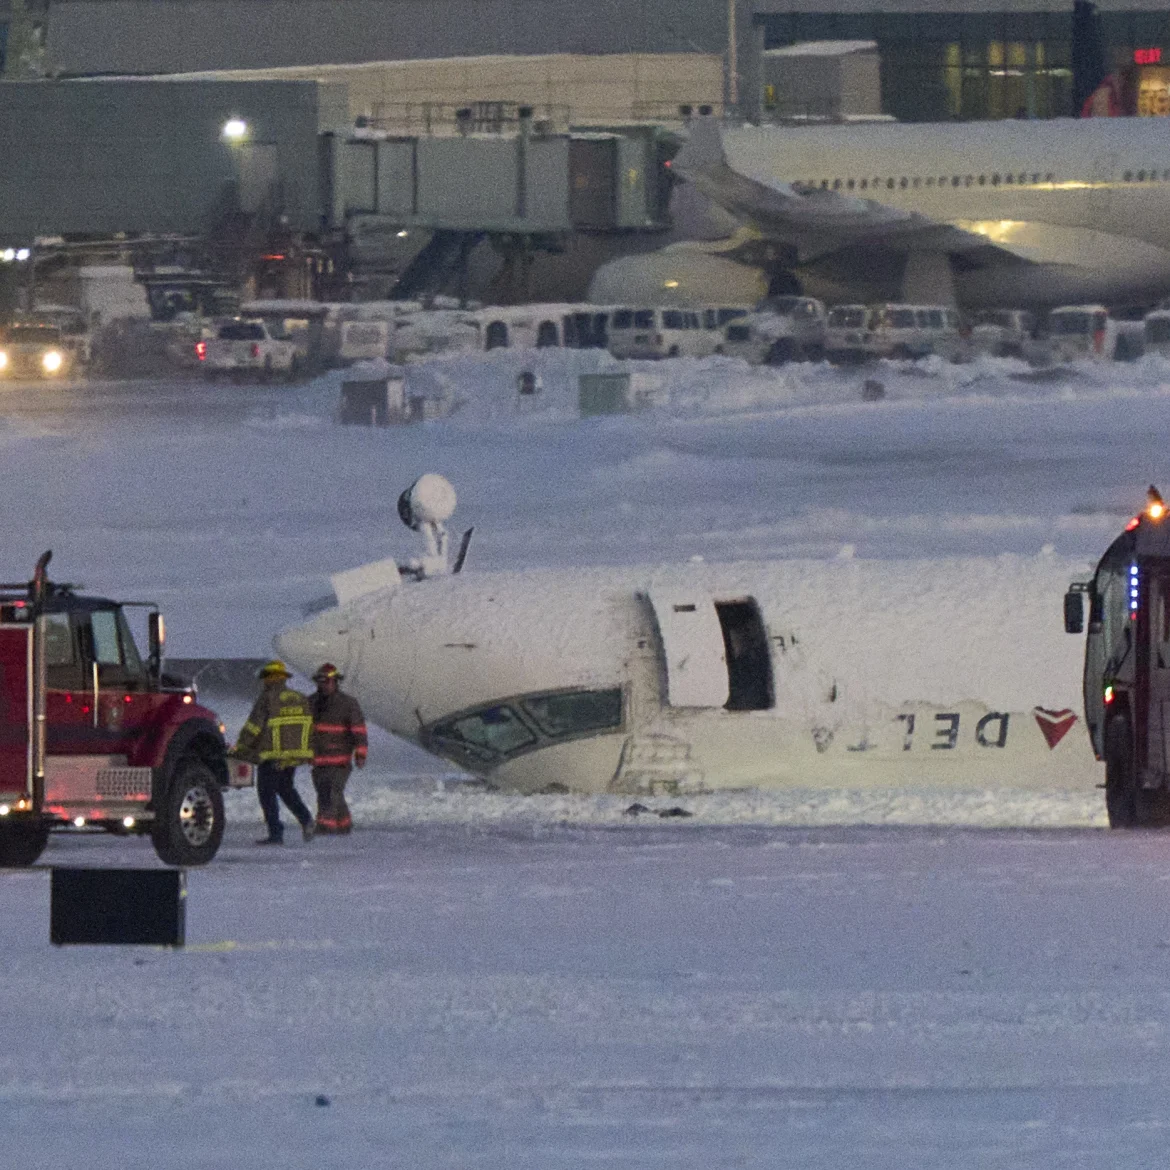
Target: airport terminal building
(940,59)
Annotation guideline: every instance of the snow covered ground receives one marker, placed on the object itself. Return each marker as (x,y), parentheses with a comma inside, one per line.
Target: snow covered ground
(472,980)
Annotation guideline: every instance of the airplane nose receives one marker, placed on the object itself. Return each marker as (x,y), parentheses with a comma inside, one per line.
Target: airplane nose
(323,639)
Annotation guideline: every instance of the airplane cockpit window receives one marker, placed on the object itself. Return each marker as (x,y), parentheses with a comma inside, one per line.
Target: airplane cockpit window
(576,711)
(494,731)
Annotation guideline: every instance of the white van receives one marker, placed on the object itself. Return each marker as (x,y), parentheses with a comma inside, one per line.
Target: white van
(1156,332)
(846,336)
(1003,332)
(363,341)
(661,333)
(785,329)
(913,331)
(1075,332)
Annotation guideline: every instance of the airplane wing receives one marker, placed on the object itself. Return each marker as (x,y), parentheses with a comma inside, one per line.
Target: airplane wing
(814,220)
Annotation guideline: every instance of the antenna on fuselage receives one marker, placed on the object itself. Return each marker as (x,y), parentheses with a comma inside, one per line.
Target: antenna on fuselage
(425,507)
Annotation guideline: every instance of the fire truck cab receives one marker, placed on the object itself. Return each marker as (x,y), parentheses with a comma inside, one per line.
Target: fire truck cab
(1127,666)
(93,736)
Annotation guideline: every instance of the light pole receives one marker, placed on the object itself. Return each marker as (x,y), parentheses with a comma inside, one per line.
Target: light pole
(732,58)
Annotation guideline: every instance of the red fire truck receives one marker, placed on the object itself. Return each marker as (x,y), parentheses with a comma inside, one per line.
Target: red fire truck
(94,737)
(1127,666)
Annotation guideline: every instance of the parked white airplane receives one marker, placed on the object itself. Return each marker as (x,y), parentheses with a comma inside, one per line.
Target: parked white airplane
(692,678)
(1022,213)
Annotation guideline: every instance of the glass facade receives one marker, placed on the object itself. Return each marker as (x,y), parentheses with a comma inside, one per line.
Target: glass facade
(940,65)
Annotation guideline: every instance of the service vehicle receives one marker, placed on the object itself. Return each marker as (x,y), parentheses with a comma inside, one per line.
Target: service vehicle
(75,332)
(94,737)
(662,333)
(1127,666)
(785,329)
(913,331)
(1156,332)
(247,347)
(363,341)
(34,351)
(846,337)
(435,331)
(1077,332)
(1003,332)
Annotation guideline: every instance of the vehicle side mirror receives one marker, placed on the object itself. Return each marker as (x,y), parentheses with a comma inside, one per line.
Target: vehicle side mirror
(1074,612)
(157,634)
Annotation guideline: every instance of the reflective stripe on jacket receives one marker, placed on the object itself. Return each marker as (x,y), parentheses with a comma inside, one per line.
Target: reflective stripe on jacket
(339,730)
(279,729)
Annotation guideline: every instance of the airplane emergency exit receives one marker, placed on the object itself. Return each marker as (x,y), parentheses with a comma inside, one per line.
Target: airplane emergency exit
(701,677)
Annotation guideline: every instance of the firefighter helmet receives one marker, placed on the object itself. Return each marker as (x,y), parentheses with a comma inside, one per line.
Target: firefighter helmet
(274,669)
(326,671)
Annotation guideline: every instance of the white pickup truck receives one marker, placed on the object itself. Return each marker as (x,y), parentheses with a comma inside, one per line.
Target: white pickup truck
(247,347)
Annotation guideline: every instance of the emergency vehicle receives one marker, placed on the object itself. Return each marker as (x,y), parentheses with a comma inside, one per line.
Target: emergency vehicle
(94,737)
(1127,666)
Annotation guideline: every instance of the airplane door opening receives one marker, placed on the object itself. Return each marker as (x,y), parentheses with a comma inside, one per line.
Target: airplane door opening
(749,663)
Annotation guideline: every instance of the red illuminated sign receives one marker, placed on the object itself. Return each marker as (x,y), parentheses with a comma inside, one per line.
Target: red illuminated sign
(1147,56)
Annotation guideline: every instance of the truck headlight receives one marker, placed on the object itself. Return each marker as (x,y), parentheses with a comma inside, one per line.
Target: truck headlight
(3,360)
(52,361)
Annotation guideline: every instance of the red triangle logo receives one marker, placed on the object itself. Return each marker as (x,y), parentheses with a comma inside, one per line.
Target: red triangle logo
(1054,724)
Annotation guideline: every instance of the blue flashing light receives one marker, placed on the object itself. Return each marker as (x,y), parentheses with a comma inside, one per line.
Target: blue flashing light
(1133,590)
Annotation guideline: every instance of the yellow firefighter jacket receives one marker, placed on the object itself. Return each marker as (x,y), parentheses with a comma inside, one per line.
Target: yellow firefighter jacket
(279,730)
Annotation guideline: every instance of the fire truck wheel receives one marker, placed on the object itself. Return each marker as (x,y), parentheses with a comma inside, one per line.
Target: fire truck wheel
(189,829)
(21,845)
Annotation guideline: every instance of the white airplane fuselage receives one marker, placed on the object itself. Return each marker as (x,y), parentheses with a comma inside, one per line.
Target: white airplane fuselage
(697,678)
(1066,211)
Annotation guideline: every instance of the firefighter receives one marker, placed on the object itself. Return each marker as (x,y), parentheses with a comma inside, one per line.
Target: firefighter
(277,737)
(339,737)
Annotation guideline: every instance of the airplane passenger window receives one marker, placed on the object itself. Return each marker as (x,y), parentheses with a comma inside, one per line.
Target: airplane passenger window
(493,731)
(890,184)
(1141,176)
(1128,176)
(1166,174)
(1023,177)
(824,184)
(1035,178)
(904,183)
(863,184)
(836,184)
(995,180)
(577,712)
(969,180)
(917,181)
(930,180)
(955,181)
(982,180)
(849,185)
(1008,178)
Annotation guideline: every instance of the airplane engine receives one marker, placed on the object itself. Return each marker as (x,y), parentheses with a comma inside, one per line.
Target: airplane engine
(683,275)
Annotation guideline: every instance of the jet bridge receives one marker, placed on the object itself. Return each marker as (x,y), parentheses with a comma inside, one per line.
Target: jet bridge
(527,183)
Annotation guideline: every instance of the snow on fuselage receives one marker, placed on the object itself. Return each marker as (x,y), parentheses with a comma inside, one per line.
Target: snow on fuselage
(701,677)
